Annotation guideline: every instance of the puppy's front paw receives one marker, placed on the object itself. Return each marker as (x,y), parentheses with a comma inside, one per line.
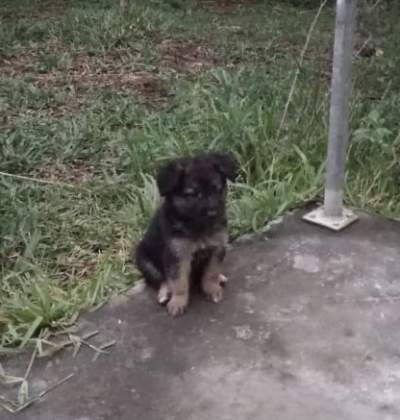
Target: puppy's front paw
(222,279)
(177,305)
(164,294)
(213,290)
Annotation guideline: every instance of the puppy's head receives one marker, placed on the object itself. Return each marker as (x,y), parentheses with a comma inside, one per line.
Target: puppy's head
(195,188)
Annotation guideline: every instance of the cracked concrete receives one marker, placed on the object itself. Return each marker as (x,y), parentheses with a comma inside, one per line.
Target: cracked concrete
(308,330)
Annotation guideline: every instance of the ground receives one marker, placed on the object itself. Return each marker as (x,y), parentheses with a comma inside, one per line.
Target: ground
(94,98)
(308,330)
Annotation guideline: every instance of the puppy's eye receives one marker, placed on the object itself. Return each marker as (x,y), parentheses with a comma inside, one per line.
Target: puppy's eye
(190,192)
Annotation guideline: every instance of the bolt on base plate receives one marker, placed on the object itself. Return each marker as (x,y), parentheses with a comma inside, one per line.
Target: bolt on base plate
(319,217)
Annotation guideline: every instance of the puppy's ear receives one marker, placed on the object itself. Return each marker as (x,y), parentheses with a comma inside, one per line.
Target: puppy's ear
(226,165)
(169,176)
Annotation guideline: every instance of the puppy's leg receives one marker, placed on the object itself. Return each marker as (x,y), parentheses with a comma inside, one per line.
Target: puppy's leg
(152,274)
(178,277)
(213,279)
(179,287)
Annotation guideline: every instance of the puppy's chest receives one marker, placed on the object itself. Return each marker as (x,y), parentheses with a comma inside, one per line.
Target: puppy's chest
(189,246)
(207,243)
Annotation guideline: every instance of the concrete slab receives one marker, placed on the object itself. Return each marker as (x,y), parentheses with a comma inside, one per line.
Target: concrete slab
(309,330)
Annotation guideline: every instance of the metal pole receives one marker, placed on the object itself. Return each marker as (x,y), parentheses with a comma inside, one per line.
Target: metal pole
(339,110)
(332,214)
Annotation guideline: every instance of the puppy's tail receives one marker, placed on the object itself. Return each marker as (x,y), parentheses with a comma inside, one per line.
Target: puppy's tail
(152,275)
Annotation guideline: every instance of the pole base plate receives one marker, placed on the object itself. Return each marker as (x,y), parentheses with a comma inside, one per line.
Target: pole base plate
(319,217)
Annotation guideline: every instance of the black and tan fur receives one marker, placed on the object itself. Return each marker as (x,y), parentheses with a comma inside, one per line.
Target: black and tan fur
(187,237)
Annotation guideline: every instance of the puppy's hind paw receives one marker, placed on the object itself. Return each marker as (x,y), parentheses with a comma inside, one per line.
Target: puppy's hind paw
(214,291)
(217,295)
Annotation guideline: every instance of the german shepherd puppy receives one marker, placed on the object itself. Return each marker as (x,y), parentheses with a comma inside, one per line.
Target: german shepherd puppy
(187,236)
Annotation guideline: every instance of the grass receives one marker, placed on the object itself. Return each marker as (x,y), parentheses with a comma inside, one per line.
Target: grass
(93,99)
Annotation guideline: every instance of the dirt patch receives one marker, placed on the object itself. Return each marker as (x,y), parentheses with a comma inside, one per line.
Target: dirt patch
(40,10)
(14,65)
(91,73)
(71,79)
(81,75)
(144,83)
(76,172)
(186,55)
(78,264)
(218,3)
(223,6)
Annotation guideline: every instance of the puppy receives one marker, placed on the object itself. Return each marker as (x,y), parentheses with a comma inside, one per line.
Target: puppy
(187,237)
